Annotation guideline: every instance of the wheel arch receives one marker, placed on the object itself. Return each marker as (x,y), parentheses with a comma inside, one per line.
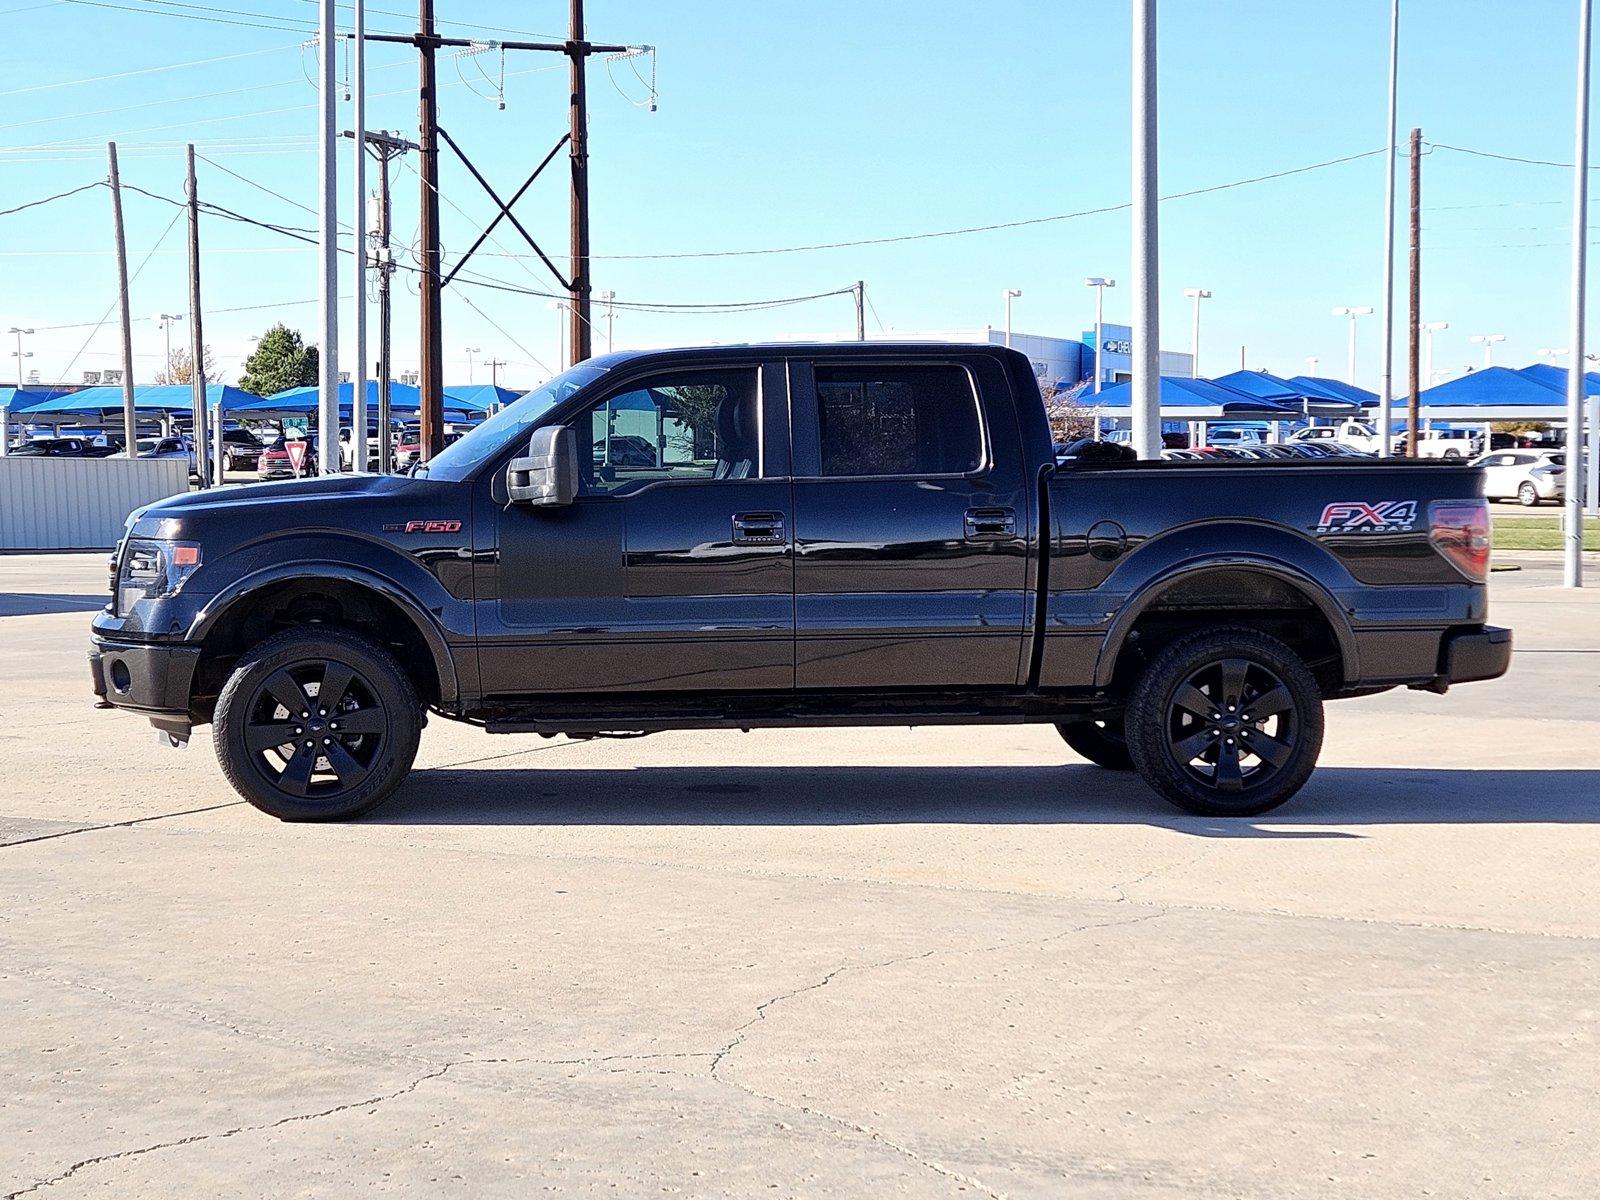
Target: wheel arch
(338,592)
(1145,603)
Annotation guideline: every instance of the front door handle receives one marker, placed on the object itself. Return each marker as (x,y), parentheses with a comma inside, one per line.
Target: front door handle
(758,528)
(991,524)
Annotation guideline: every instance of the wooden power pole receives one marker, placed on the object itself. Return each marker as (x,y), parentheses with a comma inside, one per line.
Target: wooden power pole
(1414,401)
(197,356)
(130,422)
(431,416)
(578,274)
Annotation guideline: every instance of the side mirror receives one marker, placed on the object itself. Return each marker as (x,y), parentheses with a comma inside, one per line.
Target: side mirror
(549,473)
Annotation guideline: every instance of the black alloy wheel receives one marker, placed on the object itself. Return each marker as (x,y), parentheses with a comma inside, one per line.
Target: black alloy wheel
(317,724)
(1226,723)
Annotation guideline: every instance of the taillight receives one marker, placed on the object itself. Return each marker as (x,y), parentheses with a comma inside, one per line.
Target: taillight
(1459,530)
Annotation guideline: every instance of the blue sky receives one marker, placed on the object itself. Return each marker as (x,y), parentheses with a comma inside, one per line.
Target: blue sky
(790,122)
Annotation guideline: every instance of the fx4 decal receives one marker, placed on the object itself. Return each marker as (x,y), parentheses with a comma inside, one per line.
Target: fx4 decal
(424,527)
(1358,516)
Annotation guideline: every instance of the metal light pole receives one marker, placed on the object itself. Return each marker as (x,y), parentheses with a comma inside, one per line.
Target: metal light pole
(1100,284)
(1352,313)
(1146,238)
(471,350)
(5,415)
(610,300)
(358,325)
(1428,330)
(560,309)
(1311,366)
(166,319)
(1487,341)
(1197,295)
(1578,472)
(1386,392)
(328,248)
(1011,294)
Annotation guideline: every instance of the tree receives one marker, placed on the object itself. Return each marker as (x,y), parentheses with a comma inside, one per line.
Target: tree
(1070,418)
(181,368)
(282,361)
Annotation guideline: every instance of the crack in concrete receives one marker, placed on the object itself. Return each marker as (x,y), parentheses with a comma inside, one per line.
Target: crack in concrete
(1121,887)
(97,1159)
(187,812)
(742,1032)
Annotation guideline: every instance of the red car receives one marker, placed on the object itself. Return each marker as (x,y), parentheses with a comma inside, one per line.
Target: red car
(276,464)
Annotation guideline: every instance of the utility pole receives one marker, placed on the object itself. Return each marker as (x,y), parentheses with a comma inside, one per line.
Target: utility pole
(328,248)
(494,371)
(1572,542)
(578,52)
(358,217)
(197,355)
(1414,325)
(431,416)
(386,147)
(130,423)
(1386,392)
(860,293)
(1146,238)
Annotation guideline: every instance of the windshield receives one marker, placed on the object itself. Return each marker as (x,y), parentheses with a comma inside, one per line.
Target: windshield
(454,463)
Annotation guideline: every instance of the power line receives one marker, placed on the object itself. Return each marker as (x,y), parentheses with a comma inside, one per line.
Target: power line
(1532,162)
(52,199)
(198,62)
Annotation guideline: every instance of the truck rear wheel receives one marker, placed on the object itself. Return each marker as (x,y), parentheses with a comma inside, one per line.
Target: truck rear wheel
(317,724)
(1101,742)
(1226,723)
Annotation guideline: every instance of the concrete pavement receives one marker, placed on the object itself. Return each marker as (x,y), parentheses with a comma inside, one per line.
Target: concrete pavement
(884,962)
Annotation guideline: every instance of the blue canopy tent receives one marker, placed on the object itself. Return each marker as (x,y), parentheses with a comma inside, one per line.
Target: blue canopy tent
(479,397)
(402,398)
(1492,394)
(1555,378)
(1195,400)
(1333,389)
(1292,393)
(175,398)
(19,400)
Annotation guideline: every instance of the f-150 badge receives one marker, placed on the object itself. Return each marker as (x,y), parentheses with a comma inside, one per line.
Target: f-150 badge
(1358,516)
(424,527)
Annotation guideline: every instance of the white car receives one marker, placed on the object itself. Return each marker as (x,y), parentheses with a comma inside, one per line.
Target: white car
(1358,435)
(1446,443)
(1229,436)
(1528,476)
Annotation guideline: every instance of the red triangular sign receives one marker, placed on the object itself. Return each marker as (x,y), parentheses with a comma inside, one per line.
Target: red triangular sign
(297,455)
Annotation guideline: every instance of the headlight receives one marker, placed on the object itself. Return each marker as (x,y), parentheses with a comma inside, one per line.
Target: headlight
(154,570)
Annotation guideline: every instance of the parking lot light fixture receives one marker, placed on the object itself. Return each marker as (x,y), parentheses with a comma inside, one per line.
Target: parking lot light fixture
(1197,295)
(1352,313)
(1487,341)
(1011,294)
(1100,283)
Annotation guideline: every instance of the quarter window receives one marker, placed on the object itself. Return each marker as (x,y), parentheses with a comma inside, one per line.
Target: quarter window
(911,420)
(699,425)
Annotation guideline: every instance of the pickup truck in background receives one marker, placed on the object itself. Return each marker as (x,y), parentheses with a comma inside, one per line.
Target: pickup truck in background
(796,535)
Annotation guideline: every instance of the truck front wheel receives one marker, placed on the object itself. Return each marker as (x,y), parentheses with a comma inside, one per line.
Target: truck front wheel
(1226,723)
(1101,742)
(317,724)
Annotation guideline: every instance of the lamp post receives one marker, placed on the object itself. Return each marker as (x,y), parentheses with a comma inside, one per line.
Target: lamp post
(1487,341)
(1311,365)
(1197,295)
(559,307)
(1100,283)
(1430,328)
(1011,294)
(1352,313)
(166,320)
(471,350)
(609,299)
(5,416)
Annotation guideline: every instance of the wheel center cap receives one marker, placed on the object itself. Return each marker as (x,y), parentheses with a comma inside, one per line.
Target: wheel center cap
(316,727)
(1230,723)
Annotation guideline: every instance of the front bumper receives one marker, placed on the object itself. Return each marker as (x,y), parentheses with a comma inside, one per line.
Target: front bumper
(147,678)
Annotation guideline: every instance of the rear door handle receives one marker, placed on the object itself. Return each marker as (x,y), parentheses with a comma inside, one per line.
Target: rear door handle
(758,528)
(990,524)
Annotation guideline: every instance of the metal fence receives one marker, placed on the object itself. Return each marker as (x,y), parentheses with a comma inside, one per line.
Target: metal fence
(79,504)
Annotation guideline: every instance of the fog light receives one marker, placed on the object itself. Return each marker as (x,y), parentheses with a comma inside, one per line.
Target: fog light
(120,679)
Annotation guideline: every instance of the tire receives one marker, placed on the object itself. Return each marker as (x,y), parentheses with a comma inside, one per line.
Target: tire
(1170,715)
(1452,453)
(366,752)
(1101,742)
(1528,496)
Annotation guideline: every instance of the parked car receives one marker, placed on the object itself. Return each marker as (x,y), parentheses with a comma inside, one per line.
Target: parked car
(1528,476)
(408,447)
(822,535)
(66,447)
(1358,435)
(1441,443)
(167,447)
(275,462)
(241,449)
(1221,436)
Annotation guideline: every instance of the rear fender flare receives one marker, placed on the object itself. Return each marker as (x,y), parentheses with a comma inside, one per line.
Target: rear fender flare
(240,591)
(1140,601)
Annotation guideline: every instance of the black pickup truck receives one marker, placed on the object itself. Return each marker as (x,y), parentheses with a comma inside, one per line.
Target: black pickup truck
(796,535)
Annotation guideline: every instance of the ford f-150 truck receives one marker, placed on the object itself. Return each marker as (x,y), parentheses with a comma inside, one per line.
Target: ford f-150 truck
(796,535)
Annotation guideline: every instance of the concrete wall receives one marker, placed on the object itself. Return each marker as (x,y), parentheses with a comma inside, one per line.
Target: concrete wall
(79,503)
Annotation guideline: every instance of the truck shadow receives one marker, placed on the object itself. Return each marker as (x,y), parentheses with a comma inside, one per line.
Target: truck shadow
(1335,799)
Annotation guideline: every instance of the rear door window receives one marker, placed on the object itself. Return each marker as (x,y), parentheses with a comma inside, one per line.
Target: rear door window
(898,421)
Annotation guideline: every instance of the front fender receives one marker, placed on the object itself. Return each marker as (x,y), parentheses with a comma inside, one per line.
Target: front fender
(406,601)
